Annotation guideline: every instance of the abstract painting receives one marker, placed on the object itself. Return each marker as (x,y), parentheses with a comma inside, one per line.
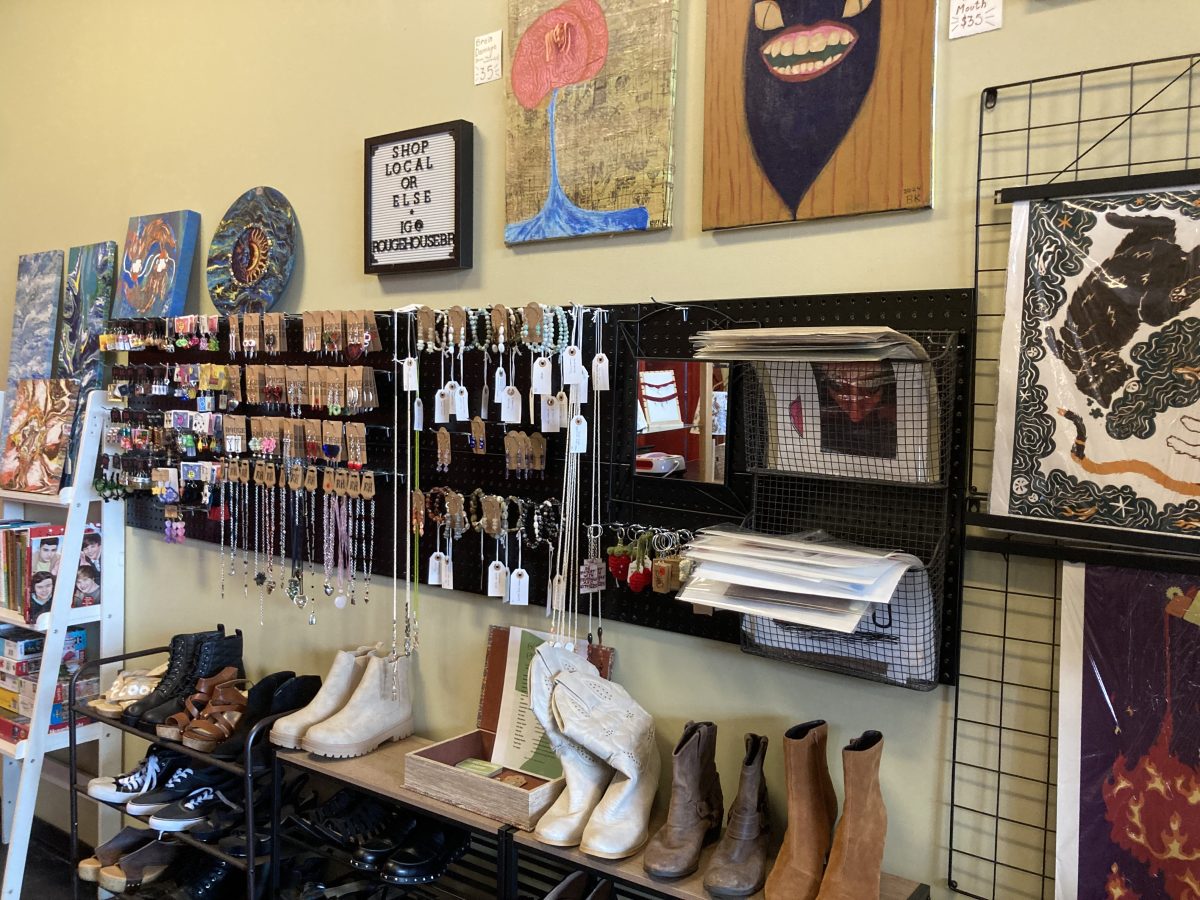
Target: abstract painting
(35,322)
(1098,411)
(87,299)
(156,265)
(591,110)
(252,254)
(35,448)
(1129,735)
(816,108)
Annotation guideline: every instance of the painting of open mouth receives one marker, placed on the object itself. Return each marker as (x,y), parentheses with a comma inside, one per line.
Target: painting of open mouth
(806,52)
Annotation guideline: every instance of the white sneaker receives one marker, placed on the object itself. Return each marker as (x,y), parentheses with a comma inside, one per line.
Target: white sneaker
(151,773)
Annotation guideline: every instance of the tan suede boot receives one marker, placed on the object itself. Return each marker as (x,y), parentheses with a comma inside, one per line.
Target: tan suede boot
(739,864)
(697,806)
(812,810)
(857,857)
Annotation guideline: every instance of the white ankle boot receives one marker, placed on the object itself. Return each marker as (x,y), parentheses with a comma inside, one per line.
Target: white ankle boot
(344,676)
(379,710)
(600,716)
(563,823)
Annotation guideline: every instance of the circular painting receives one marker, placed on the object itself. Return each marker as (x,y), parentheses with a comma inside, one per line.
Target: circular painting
(253,252)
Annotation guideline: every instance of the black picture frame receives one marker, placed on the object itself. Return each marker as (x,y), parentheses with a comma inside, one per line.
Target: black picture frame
(463,133)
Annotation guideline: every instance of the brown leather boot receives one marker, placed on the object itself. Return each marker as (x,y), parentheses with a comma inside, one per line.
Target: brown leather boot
(739,864)
(812,810)
(857,857)
(697,806)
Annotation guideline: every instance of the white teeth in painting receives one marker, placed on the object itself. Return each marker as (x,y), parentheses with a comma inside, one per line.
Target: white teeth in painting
(816,43)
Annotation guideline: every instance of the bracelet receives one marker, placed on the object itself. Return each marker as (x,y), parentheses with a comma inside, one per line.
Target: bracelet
(437,493)
(564,333)
(509,503)
(475,343)
(475,510)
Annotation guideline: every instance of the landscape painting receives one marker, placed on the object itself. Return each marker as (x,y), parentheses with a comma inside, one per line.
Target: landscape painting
(35,322)
(591,110)
(156,265)
(816,108)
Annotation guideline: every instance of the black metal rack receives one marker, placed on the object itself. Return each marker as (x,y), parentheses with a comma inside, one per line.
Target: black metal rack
(249,773)
(1125,127)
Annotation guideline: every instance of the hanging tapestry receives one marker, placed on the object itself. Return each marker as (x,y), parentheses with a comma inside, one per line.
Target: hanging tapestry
(1129,735)
(1098,411)
(591,111)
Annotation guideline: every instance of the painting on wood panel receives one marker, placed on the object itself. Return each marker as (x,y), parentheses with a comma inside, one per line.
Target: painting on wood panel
(591,108)
(35,447)
(156,265)
(816,108)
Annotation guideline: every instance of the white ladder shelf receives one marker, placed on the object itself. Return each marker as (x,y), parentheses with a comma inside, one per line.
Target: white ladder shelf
(23,762)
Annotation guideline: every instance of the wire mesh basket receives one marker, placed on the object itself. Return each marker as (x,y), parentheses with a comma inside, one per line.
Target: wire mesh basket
(877,420)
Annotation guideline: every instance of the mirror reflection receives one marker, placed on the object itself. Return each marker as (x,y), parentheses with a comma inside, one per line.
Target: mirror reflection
(682,417)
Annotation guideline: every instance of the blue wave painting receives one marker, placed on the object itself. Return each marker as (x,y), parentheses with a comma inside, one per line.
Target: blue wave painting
(35,322)
(87,299)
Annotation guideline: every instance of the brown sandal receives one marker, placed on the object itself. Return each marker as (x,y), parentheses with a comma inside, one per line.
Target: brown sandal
(219,718)
(172,728)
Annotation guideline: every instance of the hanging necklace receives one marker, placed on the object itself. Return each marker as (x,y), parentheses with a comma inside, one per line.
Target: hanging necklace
(222,499)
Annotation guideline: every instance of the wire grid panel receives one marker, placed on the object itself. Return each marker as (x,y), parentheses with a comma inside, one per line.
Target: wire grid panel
(1002,837)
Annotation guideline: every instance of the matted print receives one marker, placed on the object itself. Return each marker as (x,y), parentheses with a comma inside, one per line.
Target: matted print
(1098,411)
(1128,821)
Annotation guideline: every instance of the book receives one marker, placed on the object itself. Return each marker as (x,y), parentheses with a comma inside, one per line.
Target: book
(43,567)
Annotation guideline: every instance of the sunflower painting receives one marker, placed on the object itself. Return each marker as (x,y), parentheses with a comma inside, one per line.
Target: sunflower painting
(42,413)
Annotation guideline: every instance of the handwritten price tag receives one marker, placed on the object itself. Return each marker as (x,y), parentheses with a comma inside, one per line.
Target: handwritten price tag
(487,57)
(968,17)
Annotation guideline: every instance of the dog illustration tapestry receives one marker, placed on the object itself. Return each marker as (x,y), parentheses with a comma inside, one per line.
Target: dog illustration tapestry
(156,265)
(1098,409)
(816,108)
(591,108)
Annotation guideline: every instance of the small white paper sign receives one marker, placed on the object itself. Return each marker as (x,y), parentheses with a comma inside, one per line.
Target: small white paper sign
(487,57)
(968,17)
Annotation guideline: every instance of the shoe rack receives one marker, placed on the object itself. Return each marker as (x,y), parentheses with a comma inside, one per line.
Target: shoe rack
(502,862)
(25,762)
(249,773)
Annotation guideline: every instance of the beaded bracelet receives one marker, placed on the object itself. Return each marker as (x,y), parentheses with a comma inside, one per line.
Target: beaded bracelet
(511,502)
(475,510)
(475,343)
(564,334)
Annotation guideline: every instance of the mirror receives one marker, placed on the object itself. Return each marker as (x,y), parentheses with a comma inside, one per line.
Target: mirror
(682,418)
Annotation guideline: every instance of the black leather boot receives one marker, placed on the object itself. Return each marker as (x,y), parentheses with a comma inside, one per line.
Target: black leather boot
(208,879)
(183,654)
(212,654)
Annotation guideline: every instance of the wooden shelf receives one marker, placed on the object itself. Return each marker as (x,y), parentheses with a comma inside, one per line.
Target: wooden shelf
(382,773)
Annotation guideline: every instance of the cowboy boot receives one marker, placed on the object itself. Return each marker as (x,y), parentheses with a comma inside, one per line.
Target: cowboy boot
(379,710)
(857,855)
(600,716)
(338,686)
(812,810)
(586,777)
(697,806)
(739,864)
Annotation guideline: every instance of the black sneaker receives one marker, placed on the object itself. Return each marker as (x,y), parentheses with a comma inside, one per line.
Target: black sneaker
(193,809)
(151,774)
(187,778)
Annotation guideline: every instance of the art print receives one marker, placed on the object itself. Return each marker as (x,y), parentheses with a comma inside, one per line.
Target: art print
(87,300)
(253,253)
(35,322)
(156,265)
(1098,412)
(1128,821)
(591,108)
(39,436)
(816,108)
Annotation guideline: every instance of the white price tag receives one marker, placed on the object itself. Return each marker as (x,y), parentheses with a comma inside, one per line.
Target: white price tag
(564,408)
(487,57)
(441,407)
(418,414)
(550,421)
(579,390)
(497,582)
(411,374)
(518,588)
(968,17)
(510,406)
(572,365)
(600,371)
(436,565)
(542,372)
(484,401)
(461,410)
(501,384)
(577,439)
(448,574)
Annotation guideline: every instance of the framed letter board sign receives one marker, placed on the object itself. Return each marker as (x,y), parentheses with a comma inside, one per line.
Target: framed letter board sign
(418,199)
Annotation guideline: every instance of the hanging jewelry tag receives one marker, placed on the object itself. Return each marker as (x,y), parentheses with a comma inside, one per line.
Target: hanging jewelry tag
(418,414)
(497,581)
(542,376)
(660,581)
(564,406)
(592,576)
(501,383)
(441,407)
(600,372)
(510,406)
(550,421)
(572,365)
(577,441)
(411,375)
(484,400)
(478,436)
(436,563)
(558,591)
(461,409)
(518,588)
(448,574)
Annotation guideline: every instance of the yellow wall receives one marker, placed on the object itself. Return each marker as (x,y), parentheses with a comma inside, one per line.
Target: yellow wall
(110,109)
